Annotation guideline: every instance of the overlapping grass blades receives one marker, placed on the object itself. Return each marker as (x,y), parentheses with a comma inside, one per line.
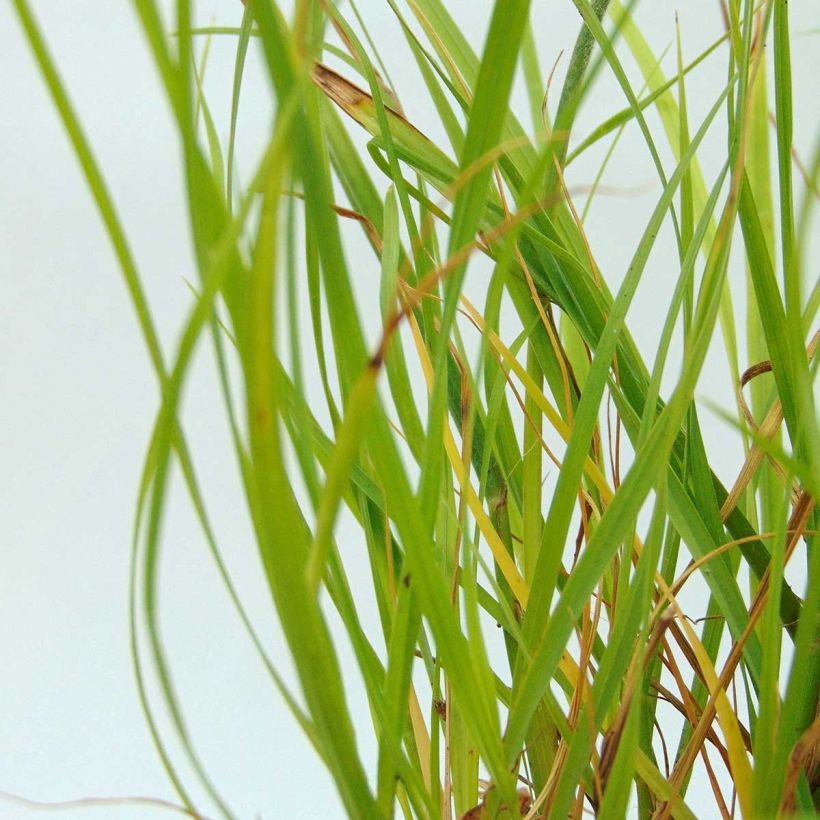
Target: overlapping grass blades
(448,493)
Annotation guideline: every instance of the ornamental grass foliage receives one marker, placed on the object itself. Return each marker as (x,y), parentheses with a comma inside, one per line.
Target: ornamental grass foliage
(529,492)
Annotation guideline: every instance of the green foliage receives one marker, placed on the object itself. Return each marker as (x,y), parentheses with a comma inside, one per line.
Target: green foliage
(447,490)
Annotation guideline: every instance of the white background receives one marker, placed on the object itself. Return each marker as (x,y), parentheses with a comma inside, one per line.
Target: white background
(77,399)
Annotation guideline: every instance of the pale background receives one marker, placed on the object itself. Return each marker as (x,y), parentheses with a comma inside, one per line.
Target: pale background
(77,400)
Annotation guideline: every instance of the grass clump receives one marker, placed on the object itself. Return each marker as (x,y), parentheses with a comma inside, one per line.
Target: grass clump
(436,438)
